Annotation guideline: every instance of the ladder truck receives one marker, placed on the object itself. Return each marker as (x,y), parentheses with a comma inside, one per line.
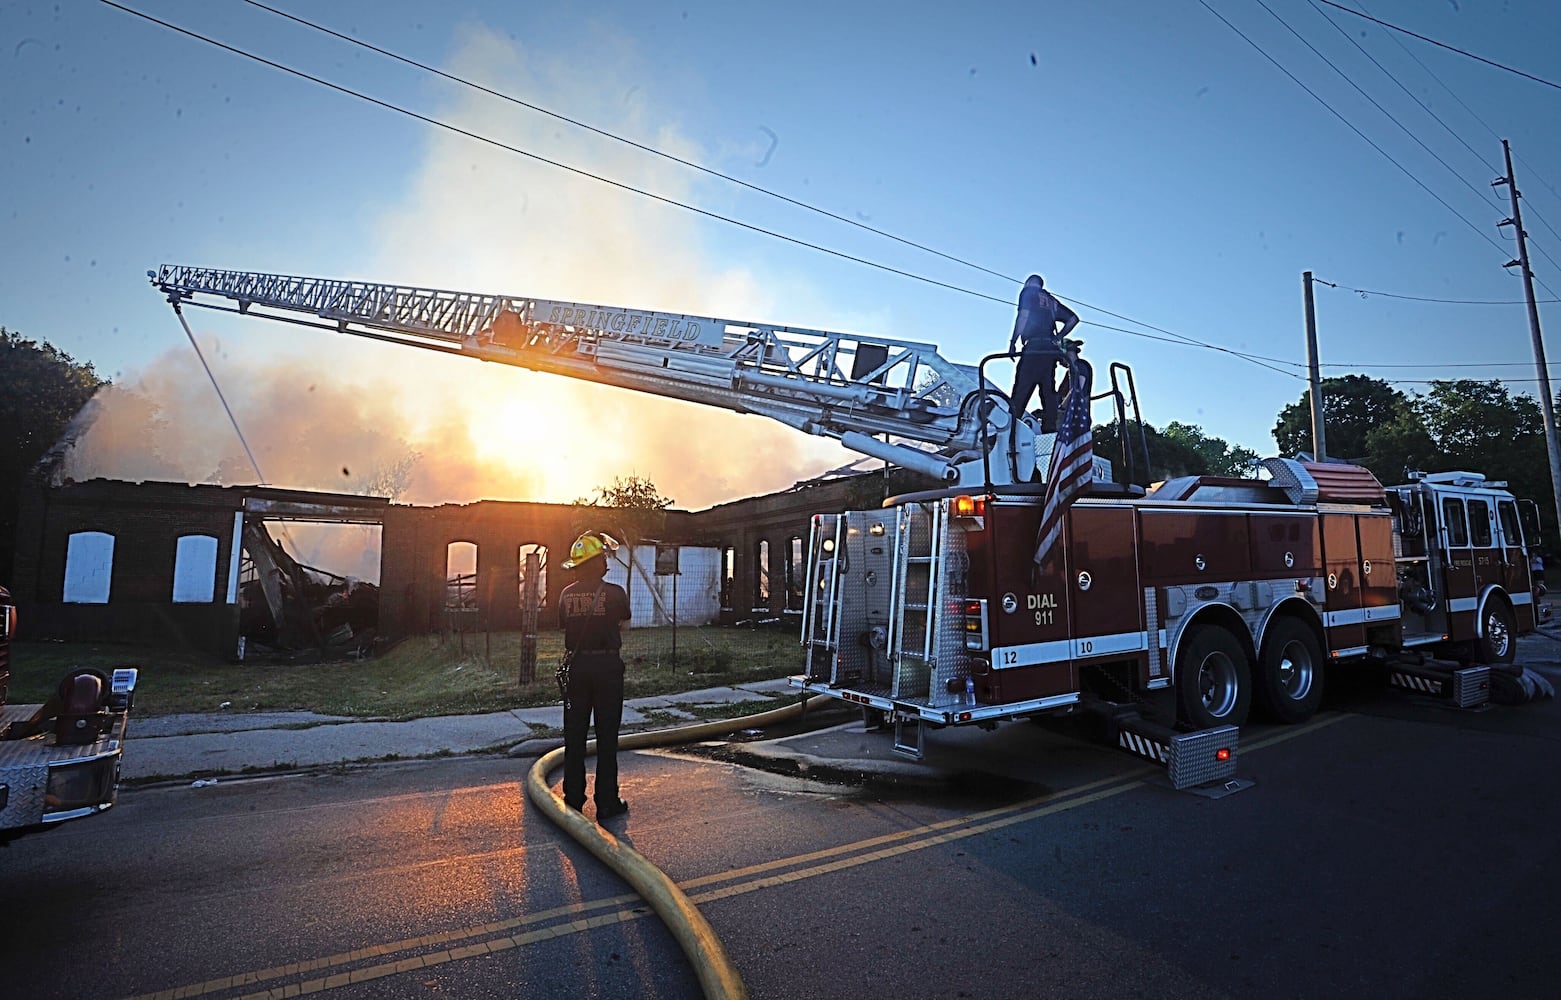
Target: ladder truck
(931,612)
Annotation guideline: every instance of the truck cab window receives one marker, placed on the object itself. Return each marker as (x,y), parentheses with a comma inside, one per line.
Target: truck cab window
(1511,532)
(1479,523)
(1453,521)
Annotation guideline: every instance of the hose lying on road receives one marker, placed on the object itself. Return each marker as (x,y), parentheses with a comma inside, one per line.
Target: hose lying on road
(717,976)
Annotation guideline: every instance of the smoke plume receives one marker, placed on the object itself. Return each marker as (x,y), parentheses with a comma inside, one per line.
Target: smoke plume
(328,412)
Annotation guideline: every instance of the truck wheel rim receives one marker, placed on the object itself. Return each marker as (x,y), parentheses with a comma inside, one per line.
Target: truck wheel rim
(1295,670)
(1496,634)
(1217,684)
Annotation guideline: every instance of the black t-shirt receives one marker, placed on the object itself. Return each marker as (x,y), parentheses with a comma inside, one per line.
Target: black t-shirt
(586,627)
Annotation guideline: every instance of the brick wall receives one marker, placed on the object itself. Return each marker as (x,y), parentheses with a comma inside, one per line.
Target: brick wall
(146,521)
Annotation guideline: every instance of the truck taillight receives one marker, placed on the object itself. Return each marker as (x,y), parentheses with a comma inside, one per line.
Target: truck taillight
(975,625)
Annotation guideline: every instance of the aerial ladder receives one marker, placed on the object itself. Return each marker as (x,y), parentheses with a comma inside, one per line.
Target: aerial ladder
(900,647)
(894,400)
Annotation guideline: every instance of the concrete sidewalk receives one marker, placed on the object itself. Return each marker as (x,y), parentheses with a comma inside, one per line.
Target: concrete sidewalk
(187,746)
(181,746)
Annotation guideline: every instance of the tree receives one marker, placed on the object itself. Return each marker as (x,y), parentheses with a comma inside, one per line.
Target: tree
(1400,444)
(42,390)
(633,510)
(632,507)
(1353,406)
(390,478)
(1223,458)
(1169,457)
(1481,427)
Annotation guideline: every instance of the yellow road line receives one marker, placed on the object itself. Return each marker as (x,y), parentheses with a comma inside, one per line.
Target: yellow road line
(844,856)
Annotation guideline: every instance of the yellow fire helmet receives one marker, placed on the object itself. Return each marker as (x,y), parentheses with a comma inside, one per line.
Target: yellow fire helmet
(588,546)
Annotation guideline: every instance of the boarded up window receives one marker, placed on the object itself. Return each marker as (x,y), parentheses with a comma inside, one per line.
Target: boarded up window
(89,565)
(195,569)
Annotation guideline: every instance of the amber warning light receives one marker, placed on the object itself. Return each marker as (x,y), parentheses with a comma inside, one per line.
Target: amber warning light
(969,512)
(969,506)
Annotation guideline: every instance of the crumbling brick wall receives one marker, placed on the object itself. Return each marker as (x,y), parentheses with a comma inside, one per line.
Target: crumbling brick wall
(146,521)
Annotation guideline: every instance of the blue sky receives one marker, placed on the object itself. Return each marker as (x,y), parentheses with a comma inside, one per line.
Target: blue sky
(1141,155)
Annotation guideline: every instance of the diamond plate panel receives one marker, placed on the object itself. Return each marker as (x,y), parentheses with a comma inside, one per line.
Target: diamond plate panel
(25,803)
(953,660)
(1193,756)
(1471,686)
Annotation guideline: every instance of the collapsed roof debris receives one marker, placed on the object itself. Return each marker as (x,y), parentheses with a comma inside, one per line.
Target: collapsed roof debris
(288,606)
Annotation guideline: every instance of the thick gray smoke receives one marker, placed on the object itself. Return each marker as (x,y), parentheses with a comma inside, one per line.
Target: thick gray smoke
(327,412)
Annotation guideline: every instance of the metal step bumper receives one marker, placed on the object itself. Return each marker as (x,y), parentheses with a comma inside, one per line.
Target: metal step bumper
(1469,687)
(1190,759)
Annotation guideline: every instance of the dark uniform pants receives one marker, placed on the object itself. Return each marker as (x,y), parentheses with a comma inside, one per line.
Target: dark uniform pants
(1037,371)
(595,688)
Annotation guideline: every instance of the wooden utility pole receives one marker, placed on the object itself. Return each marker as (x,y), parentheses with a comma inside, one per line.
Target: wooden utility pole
(1319,443)
(1546,401)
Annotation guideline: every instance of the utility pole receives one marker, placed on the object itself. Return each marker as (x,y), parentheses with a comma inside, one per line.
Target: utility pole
(1319,443)
(1546,402)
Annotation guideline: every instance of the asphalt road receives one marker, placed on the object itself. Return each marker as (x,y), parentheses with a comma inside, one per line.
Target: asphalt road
(1389,848)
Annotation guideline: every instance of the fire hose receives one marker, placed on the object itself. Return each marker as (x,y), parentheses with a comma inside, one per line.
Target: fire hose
(718,977)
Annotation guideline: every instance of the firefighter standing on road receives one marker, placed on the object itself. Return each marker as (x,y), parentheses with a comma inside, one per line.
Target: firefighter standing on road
(590,611)
(1036,326)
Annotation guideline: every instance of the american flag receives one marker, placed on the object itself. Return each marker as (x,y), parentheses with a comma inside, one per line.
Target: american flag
(1073,458)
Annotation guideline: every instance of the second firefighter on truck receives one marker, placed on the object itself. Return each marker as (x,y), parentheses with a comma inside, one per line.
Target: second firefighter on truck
(590,612)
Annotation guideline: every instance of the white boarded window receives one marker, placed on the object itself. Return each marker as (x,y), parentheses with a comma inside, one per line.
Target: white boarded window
(195,570)
(89,565)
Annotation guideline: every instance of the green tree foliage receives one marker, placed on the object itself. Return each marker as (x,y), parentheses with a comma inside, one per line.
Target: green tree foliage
(1481,427)
(1458,425)
(1353,406)
(1400,444)
(631,507)
(1169,456)
(1223,458)
(42,389)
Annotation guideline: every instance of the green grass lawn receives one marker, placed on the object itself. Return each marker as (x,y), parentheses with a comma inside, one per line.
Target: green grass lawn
(427,675)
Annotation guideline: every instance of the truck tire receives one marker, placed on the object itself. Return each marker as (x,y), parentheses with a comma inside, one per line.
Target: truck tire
(1290,673)
(1499,641)
(1213,679)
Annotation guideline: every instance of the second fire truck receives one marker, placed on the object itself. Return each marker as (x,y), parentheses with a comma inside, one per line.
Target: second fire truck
(1220,592)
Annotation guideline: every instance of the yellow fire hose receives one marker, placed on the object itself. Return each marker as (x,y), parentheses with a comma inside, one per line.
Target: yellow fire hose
(717,976)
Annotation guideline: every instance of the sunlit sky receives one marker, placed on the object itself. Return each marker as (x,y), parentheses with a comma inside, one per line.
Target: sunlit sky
(1143,156)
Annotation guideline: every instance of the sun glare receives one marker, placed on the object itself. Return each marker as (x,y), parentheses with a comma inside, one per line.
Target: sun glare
(522,433)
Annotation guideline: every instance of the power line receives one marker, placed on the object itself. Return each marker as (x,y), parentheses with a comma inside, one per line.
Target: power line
(1361,91)
(543,159)
(1483,124)
(630,142)
(1483,235)
(1364,292)
(1422,104)
(1409,93)
(1174,337)
(1435,381)
(1252,359)
(1358,132)
(1450,48)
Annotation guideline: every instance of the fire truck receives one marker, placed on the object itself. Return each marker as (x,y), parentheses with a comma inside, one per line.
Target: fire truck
(59,761)
(931,612)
